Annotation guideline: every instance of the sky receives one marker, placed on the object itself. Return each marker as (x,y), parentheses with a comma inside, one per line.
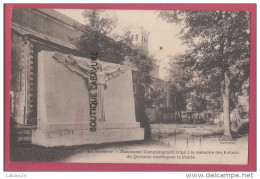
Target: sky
(162,34)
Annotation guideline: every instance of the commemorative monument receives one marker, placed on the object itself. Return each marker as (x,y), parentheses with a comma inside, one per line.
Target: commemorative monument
(82,101)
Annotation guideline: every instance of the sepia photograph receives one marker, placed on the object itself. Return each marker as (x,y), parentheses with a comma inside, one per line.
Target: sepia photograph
(130,86)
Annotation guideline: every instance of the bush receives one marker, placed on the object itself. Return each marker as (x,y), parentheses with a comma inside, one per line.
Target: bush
(243,128)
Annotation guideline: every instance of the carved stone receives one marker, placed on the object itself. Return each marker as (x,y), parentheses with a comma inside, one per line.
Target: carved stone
(63,114)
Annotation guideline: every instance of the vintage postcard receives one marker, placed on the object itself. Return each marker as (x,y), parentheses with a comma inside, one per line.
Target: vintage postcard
(131,86)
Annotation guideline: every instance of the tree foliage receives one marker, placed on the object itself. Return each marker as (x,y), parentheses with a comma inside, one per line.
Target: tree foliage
(219,43)
(143,65)
(95,38)
(177,73)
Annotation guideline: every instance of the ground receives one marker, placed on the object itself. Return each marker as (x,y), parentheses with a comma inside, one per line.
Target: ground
(165,137)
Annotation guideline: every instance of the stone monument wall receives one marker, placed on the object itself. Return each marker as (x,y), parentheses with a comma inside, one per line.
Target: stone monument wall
(63,114)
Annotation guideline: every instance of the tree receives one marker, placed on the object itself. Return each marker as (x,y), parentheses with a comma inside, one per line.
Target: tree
(219,43)
(197,100)
(143,65)
(95,37)
(178,77)
(177,73)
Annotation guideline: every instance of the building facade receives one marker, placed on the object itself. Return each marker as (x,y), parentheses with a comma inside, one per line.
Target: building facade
(159,89)
(32,31)
(35,30)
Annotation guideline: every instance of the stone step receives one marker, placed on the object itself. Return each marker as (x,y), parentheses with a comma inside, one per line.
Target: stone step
(24,132)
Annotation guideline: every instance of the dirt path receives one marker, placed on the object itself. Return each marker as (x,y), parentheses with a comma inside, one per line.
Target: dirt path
(166,141)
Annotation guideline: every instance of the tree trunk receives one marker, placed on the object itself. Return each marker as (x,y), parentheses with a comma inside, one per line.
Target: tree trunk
(226,105)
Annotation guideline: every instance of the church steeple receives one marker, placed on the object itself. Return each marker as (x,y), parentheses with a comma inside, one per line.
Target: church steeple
(139,37)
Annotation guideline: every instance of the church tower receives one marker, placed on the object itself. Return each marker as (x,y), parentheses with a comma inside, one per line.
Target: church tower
(139,37)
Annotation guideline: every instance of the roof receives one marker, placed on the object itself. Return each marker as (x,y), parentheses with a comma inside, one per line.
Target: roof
(26,31)
(60,17)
